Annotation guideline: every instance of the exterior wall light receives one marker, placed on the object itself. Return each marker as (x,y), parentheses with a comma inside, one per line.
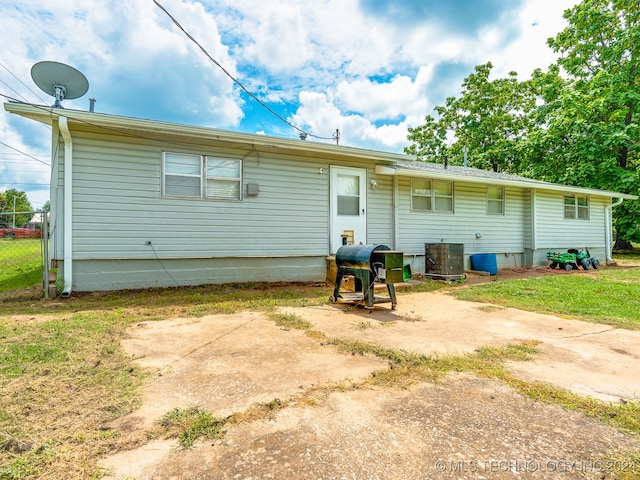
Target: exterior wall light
(374,184)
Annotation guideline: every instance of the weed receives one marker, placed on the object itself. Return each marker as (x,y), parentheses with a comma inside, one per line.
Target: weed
(191,424)
(364,326)
(275,404)
(406,368)
(290,321)
(316,335)
(64,376)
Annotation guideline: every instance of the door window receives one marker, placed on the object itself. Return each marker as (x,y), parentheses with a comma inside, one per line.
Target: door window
(348,194)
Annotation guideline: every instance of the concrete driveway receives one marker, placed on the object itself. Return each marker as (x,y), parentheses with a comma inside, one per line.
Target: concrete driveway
(462,427)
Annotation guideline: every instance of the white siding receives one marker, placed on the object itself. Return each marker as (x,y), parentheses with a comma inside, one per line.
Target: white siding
(117,207)
(499,233)
(557,234)
(527,219)
(283,232)
(380,211)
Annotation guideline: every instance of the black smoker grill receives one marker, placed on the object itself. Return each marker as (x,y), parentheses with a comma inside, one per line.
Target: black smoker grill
(368,264)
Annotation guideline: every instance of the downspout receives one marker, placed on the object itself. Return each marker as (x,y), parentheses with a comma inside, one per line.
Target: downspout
(68,220)
(534,226)
(394,208)
(609,229)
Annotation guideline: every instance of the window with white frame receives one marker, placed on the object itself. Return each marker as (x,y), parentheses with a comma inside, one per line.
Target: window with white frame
(576,207)
(495,200)
(198,176)
(223,177)
(431,195)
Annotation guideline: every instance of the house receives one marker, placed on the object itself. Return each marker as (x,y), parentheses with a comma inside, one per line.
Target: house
(138,203)
(36,220)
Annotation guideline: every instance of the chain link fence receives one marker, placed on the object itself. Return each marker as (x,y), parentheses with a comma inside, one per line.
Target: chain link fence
(22,250)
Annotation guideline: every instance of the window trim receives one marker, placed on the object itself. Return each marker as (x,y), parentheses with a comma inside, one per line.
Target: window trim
(577,208)
(502,201)
(203,177)
(432,196)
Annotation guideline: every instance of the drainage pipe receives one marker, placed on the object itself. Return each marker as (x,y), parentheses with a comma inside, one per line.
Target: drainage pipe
(68,207)
(609,228)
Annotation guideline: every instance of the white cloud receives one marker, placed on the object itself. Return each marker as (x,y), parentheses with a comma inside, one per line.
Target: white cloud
(537,21)
(346,64)
(321,117)
(398,98)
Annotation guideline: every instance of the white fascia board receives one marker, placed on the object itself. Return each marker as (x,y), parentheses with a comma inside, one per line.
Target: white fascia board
(135,126)
(470,178)
(132,126)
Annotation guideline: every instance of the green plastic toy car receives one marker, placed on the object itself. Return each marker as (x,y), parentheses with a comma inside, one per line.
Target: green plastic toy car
(572,260)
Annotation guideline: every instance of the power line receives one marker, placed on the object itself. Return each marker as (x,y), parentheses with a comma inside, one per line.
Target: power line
(12,89)
(236,81)
(32,184)
(25,154)
(24,84)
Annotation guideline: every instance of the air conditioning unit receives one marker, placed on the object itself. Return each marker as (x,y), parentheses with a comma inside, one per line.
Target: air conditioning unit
(444,260)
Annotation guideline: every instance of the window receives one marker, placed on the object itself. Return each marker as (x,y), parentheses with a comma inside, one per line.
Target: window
(431,195)
(348,194)
(223,178)
(576,207)
(182,175)
(202,176)
(495,201)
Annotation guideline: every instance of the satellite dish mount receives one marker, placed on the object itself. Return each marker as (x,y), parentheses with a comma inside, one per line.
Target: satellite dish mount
(59,93)
(59,80)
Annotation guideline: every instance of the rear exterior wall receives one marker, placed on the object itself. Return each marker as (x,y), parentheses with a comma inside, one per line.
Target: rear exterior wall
(469,224)
(282,234)
(127,235)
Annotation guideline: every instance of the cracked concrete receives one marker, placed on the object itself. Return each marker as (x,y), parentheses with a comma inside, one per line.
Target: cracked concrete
(226,363)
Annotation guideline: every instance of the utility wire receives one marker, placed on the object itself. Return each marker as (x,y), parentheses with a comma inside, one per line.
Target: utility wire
(24,84)
(32,184)
(13,89)
(235,80)
(26,154)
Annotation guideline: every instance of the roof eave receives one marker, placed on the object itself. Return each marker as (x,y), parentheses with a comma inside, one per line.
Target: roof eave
(471,178)
(48,115)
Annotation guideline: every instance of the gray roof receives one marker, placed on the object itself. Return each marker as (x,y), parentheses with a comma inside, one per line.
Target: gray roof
(476,175)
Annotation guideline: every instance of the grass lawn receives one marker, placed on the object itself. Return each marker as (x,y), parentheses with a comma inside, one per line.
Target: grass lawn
(20,263)
(64,376)
(609,296)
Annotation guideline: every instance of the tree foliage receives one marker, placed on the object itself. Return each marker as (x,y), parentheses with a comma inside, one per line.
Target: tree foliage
(578,123)
(487,120)
(22,204)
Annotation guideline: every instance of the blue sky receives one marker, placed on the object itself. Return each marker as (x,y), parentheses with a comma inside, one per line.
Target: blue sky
(370,68)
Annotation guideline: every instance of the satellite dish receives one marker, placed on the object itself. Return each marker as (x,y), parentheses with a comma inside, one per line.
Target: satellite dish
(59,80)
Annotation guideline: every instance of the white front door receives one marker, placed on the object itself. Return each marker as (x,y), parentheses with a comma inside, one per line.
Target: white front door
(348,202)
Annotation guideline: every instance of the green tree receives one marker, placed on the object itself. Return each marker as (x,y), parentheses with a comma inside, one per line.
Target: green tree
(488,119)
(590,122)
(576,124)
(9,199)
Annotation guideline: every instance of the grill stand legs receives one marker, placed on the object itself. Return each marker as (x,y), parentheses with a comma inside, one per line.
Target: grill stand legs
(362,278)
